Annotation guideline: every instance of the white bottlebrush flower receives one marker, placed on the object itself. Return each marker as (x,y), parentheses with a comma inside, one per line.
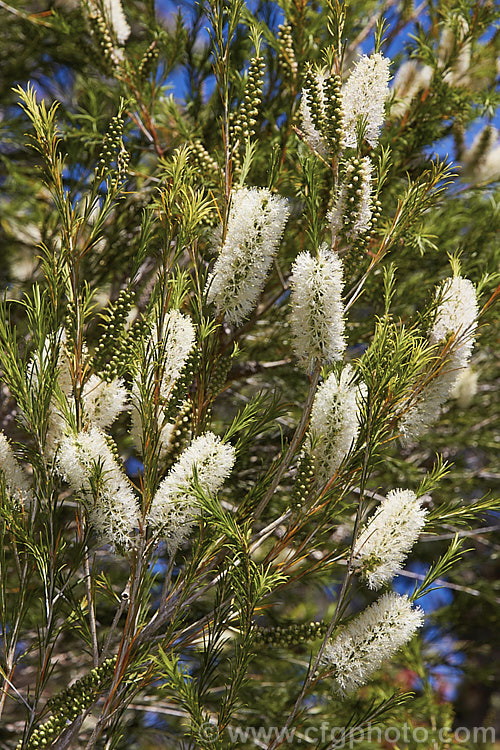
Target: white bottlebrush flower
(482,159)
(457,65)
(312,135)
(352,211)
(456,317)
(426,410)
(172,345)
(175,505)
(255,226)
(457,314)
(103,401)
(37,366)
(114,511)
(55,432)
(384,542)
(117,20)
(334,422)
(363,97)
(112,30)
(409,81)
(465,387)
(317,311)
(370,639)
(16,481)
(179,340)
(64,378)
(490,169)
(483,143)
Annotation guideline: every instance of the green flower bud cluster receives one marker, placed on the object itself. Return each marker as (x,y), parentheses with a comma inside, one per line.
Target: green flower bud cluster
(376,213)
(314,88)
(69,704)
(304,481)
(122,165)
(101,33)
(112,150)
(352,176)
(333,121)
(69,324)
(285,636)
(148,61)
(219,375)
(47,733)
(286,55)
(125,350)
(113,318)
(182,434)
(113,448)
(242,127)
(324,98)
(84,689)
(178,394)
(202,161)
(249,108)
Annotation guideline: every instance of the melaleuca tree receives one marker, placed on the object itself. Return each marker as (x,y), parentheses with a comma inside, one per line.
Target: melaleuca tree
(242,329)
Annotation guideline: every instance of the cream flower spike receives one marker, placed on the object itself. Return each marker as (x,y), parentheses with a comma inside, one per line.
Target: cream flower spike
(334,423)
(117,20)
(363,96)
(114,512)
(369,640)
(175,507)
(384,542)
(256,224)
(316,308)
(16,481)
(456,316)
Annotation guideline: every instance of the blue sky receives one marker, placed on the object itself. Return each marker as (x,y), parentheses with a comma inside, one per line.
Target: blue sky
(177,81)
